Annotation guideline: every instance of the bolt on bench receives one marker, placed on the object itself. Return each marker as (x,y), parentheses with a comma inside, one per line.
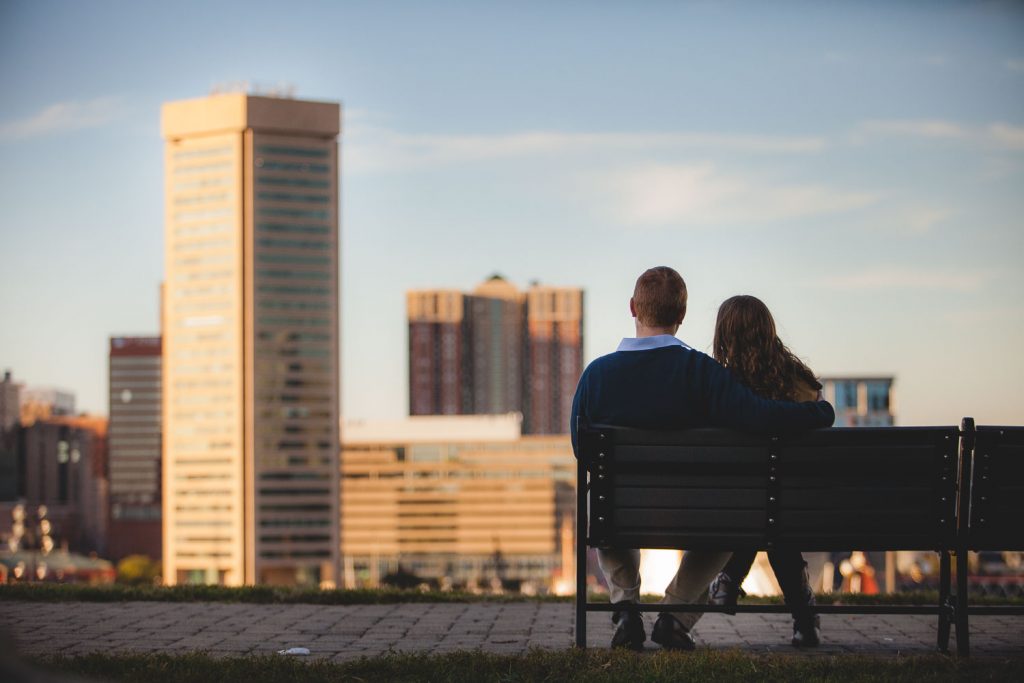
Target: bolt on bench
(889,488)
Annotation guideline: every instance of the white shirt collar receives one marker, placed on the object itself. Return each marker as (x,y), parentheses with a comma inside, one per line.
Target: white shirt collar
(658,341)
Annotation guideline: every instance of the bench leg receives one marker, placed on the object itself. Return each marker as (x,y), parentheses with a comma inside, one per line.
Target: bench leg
(963,636)
(581,614)
(581,555)
(944,603)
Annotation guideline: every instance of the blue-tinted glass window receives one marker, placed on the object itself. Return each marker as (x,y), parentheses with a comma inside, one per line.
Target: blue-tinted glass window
(878,396)
(846,395)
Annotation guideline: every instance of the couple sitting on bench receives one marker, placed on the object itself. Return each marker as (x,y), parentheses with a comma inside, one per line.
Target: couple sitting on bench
(655,381)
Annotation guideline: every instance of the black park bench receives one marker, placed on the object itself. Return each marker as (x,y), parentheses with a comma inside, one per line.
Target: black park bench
(939,489)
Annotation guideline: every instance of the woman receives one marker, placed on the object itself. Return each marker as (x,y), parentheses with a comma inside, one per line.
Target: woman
(746,342)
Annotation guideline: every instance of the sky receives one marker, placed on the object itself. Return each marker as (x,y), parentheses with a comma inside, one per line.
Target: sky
(858,166)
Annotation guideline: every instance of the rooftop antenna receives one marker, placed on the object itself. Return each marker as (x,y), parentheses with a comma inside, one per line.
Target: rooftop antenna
(281,90)
(226,87)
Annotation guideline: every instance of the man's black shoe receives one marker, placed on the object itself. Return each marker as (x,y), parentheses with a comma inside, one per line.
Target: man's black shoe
(724,591)
(670,634)
(629,628)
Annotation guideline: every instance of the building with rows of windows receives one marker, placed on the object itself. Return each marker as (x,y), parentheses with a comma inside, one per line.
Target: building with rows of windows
(463,500)
(250,329)
(861,401)
(133,452)
(496,350)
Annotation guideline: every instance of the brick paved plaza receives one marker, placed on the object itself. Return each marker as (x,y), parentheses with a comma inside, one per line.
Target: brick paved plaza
(346,632)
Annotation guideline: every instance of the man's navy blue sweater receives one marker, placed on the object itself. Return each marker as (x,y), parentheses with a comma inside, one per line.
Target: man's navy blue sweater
(674,387)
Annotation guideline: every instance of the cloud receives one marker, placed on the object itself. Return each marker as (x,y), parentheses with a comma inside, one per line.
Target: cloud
(371,148)
(925,128)
(657,195)
(1015,65)
(983,316)
(920,220)
(998,135)
(914,278)
(62,117)
(1007,136)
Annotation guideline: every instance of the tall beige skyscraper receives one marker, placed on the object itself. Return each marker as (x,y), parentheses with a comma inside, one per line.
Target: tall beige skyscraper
(250,328)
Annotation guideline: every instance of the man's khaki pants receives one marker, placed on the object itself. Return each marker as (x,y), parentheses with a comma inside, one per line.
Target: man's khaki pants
(621,568)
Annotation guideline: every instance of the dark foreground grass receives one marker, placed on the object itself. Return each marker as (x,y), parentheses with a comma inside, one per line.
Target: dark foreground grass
(538,665)
(56,592)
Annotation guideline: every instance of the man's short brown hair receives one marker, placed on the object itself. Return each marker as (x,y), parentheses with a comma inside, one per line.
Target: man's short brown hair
(659,297)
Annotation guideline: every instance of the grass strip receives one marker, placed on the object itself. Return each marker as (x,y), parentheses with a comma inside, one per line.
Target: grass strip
(57,592)
(592,666)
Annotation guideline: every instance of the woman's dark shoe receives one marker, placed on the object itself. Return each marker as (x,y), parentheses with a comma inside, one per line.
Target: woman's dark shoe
(806,624)
(724,591)
(670,634)
(629,628)
(807,633)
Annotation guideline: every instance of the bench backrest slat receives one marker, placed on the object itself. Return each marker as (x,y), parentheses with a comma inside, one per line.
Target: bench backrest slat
(868,488)
(997,490)
(829,489)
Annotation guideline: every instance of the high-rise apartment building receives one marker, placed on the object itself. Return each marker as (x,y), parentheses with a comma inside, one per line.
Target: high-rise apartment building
(250,335)
(133,448)
(466,499)
(861,401)
(496,350)
(554,357)
(496,326)
(437,361)
(10,403)
(12,458)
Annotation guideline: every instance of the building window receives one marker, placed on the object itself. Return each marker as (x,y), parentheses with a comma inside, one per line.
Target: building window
(292,182)
(315,214)
(293,151)
(289,227)
(291,166)
(292,197)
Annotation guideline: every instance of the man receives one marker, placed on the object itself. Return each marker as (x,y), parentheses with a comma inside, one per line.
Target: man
(655,381)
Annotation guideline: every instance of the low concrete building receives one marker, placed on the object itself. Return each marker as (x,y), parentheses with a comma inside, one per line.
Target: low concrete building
(461,500)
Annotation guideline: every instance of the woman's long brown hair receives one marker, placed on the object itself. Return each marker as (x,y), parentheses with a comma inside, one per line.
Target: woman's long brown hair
(746,342)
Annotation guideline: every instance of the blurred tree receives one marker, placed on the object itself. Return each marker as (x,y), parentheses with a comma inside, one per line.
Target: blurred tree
(403,578)
(137,570)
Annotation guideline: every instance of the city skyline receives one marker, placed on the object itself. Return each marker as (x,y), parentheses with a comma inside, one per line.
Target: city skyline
(855,167)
